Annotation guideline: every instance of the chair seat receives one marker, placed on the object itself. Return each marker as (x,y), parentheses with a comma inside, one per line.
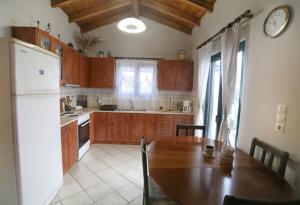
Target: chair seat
(157,197)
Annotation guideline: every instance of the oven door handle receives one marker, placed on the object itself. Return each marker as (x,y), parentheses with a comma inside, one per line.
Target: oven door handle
(85,124)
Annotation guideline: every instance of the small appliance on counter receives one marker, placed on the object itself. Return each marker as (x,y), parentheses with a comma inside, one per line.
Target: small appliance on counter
(82,101)
(187,106)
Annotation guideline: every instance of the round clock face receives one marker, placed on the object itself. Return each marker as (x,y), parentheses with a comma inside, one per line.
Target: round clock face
(277,21)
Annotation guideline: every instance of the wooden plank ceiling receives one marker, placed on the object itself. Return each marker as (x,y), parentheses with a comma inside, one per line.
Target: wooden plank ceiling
(182,15)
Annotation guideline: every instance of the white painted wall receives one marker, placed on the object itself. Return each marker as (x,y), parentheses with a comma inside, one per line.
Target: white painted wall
(158,41)
(26,13)
(272,75)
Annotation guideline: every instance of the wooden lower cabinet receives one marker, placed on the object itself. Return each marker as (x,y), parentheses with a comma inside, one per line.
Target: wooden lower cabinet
(143,125)
(92,128)
(183,119)
(69,145)
(118,127)
(100,127)
(164,126)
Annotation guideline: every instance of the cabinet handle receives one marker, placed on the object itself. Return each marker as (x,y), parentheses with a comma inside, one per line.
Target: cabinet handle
(85,124)
(23,51)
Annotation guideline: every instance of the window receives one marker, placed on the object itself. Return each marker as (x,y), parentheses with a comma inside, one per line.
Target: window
(136,78)
(213,99)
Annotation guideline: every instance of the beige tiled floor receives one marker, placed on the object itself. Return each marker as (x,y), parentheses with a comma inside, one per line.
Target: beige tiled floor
(106,175)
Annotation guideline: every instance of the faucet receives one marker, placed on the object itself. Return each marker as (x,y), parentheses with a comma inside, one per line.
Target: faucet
(131,104)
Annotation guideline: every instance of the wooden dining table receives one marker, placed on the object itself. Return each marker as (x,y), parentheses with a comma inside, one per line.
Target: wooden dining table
(181,171)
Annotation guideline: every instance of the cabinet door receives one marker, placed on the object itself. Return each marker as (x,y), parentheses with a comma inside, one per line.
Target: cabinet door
(164,126)
(44,40)
(183,119)
(70,71)
(92,128)
(150,125)
(143,125)
(69,145)
(102,72)
(100,128)
(166,73)
(184,75)
(118,127)
(84,71)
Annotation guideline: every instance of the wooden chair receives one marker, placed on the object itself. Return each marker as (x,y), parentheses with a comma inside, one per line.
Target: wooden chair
(152,195)
(232,200)
(273,152)
(187,127)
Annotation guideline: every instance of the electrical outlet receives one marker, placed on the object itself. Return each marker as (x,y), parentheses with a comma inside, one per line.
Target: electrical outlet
(280,127)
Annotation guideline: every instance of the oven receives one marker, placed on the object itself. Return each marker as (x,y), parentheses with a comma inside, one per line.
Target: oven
(83,134)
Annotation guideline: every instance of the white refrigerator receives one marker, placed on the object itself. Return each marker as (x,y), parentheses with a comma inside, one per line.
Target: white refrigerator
(30,146)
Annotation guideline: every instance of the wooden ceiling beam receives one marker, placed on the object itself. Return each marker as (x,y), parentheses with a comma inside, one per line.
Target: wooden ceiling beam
(201,4)
(172,12)
(160,19)
(102,22)
(98,10)
(60,3)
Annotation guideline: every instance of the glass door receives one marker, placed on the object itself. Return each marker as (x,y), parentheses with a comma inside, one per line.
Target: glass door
(213,103)
(213,99)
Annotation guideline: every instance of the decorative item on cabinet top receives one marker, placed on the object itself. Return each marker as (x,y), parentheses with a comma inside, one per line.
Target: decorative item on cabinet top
(86,42)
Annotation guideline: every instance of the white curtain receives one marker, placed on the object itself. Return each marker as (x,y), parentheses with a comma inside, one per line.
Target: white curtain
(136,80)
(203,71)
(229,48)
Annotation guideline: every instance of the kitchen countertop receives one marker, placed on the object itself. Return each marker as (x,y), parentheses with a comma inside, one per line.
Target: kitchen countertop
(66,120)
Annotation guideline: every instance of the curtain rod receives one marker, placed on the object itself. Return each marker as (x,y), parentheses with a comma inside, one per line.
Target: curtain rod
(247,14)
(138,58)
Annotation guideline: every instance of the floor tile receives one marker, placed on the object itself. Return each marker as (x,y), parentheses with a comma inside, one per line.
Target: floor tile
(55,200)
(78,199)
(139,182)
(68,178)
(58,203)
(137,201)
(79,170)
(96,166)
(99,191)
(89,181)
(112,199)
(107,174)
(111,161)
(117,182)
(68,190)
(130,192)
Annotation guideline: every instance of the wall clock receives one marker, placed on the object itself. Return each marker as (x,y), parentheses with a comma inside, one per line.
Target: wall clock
(277,21)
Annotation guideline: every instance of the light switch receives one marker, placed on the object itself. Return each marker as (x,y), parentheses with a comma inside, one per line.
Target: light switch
(281,118)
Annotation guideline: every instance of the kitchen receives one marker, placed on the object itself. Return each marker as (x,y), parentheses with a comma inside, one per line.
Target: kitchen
(127,86)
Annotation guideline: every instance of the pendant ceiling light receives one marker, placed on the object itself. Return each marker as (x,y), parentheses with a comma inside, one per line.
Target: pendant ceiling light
(133,24)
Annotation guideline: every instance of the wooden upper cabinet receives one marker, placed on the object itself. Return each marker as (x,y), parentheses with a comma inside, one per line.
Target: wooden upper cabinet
(84,71)
(69,145)
(175,75)
(119,127)
(100,126)
(164,126)
(70,67)
(166,74)
(102,72)
(143,125)
(184,75)
(183,119)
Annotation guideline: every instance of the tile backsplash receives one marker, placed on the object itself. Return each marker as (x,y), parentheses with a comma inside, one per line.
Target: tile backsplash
(108,96)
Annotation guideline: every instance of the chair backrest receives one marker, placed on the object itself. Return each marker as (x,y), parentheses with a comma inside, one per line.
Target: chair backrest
(145,171)
(232,200)
(273,151)
(187,127)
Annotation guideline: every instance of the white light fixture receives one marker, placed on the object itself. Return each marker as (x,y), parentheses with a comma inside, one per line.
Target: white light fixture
(132,25)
